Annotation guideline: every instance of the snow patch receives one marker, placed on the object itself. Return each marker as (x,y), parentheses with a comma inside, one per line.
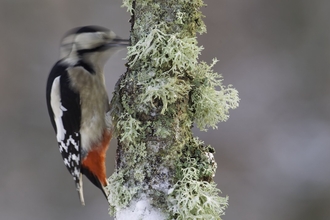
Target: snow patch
(141,209)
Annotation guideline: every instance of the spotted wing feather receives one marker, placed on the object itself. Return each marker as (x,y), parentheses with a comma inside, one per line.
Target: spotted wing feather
(64,110)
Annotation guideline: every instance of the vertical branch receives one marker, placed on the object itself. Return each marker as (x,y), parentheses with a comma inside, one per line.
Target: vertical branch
(162,171)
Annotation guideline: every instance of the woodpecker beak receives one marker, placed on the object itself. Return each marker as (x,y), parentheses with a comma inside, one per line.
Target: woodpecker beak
(118,42)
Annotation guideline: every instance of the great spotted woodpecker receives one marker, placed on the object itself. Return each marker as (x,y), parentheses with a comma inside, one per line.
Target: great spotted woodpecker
(78,103)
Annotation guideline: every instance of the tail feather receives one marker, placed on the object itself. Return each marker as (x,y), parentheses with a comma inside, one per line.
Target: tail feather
(79,187)
(95,180)
(105,191)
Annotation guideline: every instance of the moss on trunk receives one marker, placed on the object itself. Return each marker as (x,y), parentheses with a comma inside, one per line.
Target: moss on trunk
(164,91)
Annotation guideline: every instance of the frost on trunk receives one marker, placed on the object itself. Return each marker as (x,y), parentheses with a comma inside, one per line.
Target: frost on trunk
(162,171)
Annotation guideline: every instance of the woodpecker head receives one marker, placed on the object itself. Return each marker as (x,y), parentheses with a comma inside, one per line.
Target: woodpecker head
(91,44)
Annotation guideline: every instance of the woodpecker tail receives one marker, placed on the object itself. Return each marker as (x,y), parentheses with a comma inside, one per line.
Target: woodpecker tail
(99,183)
(105,191)
(93,165)
(79,188)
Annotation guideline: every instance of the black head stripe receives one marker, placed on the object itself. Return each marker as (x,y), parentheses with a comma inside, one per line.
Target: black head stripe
(102,47)
(70,32)
(86,66)
(90,29)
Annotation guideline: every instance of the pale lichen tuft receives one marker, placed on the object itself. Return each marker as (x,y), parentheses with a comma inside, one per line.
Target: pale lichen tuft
(129,5)
(129,128)
(211,106)
(168,51)
(167,89)
(192,199)
(164,91)
(120,194)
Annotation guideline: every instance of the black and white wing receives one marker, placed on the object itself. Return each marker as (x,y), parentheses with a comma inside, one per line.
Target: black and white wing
(64,110)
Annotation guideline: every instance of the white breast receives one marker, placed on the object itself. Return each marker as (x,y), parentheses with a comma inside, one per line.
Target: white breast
(93,98)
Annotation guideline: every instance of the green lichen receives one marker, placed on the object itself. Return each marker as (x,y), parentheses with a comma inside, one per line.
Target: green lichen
(210,105)
(161,132)
(194,195)
(192,199)
(168,51)
(129,5)
(129,129)
(120,193)
(200,156)
(136,153)
(139,175)
(165,90)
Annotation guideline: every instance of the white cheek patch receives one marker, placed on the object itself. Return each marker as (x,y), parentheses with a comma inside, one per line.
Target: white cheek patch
(88,40)
(58,109)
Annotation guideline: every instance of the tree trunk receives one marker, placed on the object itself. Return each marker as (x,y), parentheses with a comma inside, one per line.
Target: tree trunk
(162,171)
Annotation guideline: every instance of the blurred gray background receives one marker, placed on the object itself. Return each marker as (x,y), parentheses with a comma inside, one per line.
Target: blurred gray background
(273,153)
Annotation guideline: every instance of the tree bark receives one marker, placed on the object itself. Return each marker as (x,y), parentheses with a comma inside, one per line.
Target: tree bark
(162,171)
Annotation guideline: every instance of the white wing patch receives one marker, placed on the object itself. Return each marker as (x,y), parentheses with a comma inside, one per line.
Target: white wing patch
(66,162)
(58,109)
(63,146)
(73,142)
(68,141)
(75,158)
